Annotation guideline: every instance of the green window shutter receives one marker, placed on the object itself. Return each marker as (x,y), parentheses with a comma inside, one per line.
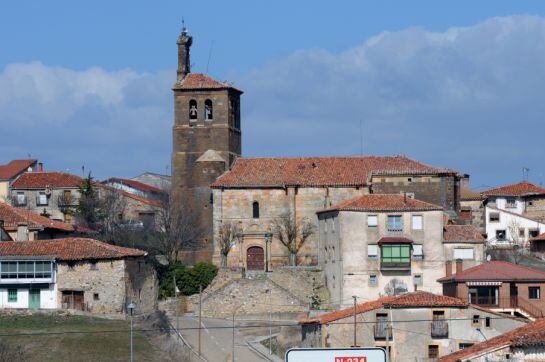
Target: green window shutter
(12,295)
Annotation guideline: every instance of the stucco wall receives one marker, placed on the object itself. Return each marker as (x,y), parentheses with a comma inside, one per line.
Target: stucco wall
(48,297)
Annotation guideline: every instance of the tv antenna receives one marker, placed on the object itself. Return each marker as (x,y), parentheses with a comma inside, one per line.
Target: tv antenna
(209,56)
(525,172)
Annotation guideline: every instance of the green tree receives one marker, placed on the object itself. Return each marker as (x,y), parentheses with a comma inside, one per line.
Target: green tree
(88,210)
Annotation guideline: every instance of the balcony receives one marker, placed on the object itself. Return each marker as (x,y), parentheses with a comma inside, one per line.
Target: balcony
(439,329)
(400,266)
(382,331)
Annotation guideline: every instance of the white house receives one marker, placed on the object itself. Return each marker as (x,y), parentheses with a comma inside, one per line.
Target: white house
(505,227)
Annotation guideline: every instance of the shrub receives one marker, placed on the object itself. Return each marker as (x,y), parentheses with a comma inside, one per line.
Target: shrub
(188,280)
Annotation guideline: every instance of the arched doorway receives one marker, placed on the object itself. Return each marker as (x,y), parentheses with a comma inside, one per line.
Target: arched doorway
(255,258)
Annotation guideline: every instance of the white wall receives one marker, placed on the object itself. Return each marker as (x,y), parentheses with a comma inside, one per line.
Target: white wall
(501,203)
(510,220)
(48,297)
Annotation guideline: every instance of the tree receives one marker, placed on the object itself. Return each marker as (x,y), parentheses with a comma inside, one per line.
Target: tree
(292,233)
(111,205)
(228,234)
(88,210)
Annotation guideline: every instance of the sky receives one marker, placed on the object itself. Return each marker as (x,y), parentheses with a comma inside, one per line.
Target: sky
(457,84)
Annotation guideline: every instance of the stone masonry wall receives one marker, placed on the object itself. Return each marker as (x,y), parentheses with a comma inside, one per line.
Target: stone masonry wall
(142,285)
(302,282)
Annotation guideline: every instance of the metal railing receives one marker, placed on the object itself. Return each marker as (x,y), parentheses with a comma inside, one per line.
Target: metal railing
(439,329)
(515,302)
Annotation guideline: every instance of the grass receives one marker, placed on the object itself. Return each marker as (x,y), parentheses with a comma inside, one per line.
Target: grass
(97,343)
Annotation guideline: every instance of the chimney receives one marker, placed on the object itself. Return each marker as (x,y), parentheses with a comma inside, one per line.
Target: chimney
(22,232)
(40,167)
(448,268)
(405,197)
(459,267)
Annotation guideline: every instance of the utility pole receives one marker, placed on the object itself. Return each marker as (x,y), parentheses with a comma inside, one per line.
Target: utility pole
(270,322)
(233,347)
(355,330)
(200,316)
(177,304)
(388,316)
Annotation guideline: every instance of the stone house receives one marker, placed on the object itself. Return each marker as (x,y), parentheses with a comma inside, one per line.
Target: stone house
(463,245)
(472,206)
(526,343)
(54,193)
(500,286)
(21,224)
(257,191)
(75,273)
(376,245)
(417,326)
(10,171)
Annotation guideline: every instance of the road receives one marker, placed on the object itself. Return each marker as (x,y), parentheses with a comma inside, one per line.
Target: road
(216,339)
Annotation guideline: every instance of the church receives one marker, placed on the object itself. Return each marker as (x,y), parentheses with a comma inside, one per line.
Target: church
(214,182)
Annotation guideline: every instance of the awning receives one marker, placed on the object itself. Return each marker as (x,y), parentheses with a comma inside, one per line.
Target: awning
(394,240)
(483,284)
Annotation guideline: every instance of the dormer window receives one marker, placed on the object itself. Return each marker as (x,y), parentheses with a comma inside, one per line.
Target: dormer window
(193,110)
(208,110)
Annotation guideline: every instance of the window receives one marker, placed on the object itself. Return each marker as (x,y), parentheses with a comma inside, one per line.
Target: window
(417,222)
(487,322)
(372,221)
(510,202)
(433,351)
(464,345)
(373,280)
(208,112)
(396,254)
(94,266)
(372,251)
(534,292)
(395,223)
(533,233)
(521,233)
(12,295)
(494,217)
(96,296)
(464,254)
(26,269)
(500,234)
(417,279)
(41,199)
(476,321)
(193,110)
(67,197)
(418,252)
(530,203)
(71,266)
(21,199)
(255,210)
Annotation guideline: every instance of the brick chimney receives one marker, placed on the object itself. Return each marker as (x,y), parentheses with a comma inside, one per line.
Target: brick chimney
(40,167)
(448,268)
(459,266)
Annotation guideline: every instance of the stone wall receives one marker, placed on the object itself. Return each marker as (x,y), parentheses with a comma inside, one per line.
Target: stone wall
(55,202)
(302,282)
(142,285)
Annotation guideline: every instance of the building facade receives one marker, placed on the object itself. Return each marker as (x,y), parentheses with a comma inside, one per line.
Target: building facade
(10,171)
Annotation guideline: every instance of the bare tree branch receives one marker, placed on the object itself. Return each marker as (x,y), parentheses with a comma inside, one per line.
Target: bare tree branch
(228,235)
(292,233)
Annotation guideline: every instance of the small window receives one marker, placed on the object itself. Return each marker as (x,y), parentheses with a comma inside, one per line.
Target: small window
(12,295)
(464,345)
(208,111)
(373,280)
(476,321)
(409,179)
(417,279)
(510,203)
(395,223)
(417,222)
(192,110)
(372,251)
(94,266)
(530,203)
(494,217)
(41,199)
(96,296)
(463,253)
(372,221)
(71,266)
(521,233)
(500,234)
(487,322)
(21,199)
(534,292)
(418,251)
(255,210)
(433,351)
(533,233)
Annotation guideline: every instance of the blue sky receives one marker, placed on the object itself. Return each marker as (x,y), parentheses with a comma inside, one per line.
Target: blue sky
(457,84)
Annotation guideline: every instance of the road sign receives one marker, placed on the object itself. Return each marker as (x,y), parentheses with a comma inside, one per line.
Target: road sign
(336,355)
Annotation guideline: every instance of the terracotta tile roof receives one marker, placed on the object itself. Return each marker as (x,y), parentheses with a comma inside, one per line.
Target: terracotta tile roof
(202,81)
(419,299)
(13,216)
(14,168)
(467,194)
(523,188)
(532,334)
(462,233)
(41,180)
(383,202)
(316,171)
(134,184)
(68,249)
(496,271)
(394,240)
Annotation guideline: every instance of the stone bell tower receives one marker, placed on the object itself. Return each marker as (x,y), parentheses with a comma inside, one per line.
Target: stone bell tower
(206,139)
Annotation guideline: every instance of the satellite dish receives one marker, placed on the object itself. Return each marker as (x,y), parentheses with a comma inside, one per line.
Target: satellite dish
(488,257)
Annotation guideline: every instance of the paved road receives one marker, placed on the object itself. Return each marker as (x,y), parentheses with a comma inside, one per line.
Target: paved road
(216,339)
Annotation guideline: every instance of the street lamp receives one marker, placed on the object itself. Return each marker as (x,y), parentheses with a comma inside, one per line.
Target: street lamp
(131,308)
(268,239)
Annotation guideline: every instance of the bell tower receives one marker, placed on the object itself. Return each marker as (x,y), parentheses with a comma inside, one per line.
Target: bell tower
(206,139)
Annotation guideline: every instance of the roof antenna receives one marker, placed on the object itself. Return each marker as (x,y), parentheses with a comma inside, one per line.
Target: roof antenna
(209,56)
(525,171)
(183,25)
(361,138)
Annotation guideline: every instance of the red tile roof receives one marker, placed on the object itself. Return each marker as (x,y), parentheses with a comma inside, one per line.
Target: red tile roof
(463,233)
(14,168)
(13,216)
(523,188)
(42,180)
(134,184)
(383,202)
(202,81)
(496,271)
(68,249)
(419,299)
(317,171)
(467,194)
(532,334)
(394,240)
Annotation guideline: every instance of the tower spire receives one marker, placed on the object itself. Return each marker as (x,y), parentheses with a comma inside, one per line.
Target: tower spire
(184,43)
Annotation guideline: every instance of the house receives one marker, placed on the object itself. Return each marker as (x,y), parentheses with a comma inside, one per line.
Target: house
(417,326)
(154,179)
(55,194)
(526,343)
(514,213)
(257,191)
(136,188)
(501,286)
(376,245)
(471,205)
(22,224)
(537,244)
(10,171)
(75,273)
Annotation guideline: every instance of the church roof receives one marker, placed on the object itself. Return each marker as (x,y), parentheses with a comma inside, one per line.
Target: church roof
(202,81)
(318,171)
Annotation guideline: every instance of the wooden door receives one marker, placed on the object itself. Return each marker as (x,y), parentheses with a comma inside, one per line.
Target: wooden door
(34,298)
(255,258)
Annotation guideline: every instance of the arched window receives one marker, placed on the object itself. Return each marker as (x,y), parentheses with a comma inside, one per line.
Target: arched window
(208,111)
(193,110)
(255,210)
